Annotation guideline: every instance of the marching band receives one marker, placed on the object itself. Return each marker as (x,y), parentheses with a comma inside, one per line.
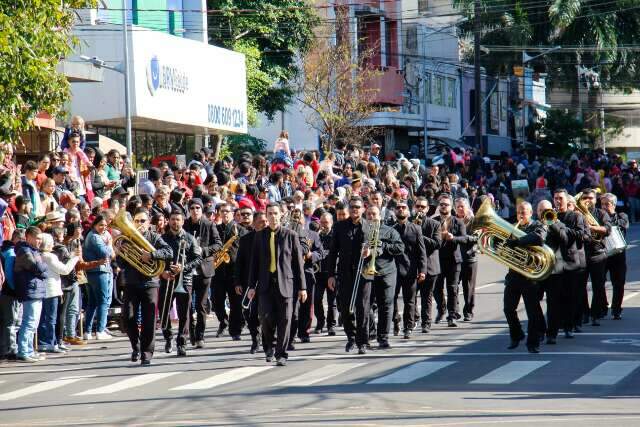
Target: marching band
(275,269)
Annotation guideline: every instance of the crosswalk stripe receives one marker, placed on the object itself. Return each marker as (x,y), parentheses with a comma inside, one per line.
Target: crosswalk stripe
(321,374)
(411,373)
(607,373)
(510,372)
(37,388)
(224,378)
(137,381)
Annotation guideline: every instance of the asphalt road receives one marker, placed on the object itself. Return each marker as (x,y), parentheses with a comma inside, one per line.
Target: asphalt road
(462,376)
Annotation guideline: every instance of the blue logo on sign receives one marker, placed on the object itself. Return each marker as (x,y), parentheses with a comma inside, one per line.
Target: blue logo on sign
(153,75)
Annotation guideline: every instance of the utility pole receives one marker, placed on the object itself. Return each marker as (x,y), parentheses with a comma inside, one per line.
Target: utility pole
(127,93)
(478,80)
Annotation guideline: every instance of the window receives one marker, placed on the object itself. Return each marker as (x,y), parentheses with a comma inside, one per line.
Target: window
(423,6)
(451,93)
(439,91)
(411,39)
(427,87)
(503,106)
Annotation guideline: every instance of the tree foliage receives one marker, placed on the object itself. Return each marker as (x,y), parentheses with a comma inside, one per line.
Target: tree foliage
(560,133)
(595,33)
(34,36)
(337,91)
(273,35)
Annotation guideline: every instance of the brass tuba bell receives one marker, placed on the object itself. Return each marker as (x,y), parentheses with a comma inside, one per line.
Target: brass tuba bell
(533,262)
(131,244)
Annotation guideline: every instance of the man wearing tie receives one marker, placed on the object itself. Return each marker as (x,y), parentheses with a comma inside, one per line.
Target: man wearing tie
(278,272)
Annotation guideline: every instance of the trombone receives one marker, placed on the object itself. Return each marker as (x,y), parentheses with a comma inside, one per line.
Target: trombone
(172,288)
(368,271)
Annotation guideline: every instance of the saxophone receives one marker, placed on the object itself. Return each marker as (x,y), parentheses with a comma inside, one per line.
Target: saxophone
(223,256)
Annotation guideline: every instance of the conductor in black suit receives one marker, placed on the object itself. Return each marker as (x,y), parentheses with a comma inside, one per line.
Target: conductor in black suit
(278,271)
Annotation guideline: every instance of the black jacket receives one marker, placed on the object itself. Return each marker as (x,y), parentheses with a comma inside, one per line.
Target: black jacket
(314,245)
(133,277)
(209,240)
(450,250)
(432,242)
(468,249)
(413,260)
(577,233)
(345,249)
(289,263)
(557,239)
(243,259)
(325,239)
(390,247)
(193,254)
(594,247)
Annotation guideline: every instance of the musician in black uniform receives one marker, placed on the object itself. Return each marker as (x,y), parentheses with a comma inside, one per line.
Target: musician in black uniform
(207,236)
(581,300)
(432,237)
(141,291)
(553,286)
(224,287)
(596,256)
(516,285)
(180,273)
(344,253)
(241,277)
(411,266)
(469,266)
(314,254)
(616,264)
(331,318)
(574,262)
(453,233)
(277,271)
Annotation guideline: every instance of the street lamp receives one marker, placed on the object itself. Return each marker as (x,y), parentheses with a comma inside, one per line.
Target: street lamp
(525,59)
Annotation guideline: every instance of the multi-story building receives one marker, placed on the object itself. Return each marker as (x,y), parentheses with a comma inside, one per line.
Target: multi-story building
(179,92)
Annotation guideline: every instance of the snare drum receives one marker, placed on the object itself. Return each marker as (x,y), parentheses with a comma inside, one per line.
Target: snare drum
(614,243)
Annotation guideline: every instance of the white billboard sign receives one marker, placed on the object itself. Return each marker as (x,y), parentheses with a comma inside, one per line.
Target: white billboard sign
(182,81)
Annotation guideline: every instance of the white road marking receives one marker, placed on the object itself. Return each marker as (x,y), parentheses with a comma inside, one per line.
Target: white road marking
(510,372)
(629,296)
(37,388)
(608,373)
(137,381)
(487,285)
(321,374)
(334,356)
(223,378)
(411,373)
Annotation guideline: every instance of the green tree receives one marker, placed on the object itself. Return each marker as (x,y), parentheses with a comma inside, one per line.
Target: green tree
(34,36)
(593,34)
(560,133)
(274,35)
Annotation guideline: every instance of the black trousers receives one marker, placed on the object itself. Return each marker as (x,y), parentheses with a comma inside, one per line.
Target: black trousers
(223,288)
(63,306)
(426,299)
(183,305)
(305,309)
(409,288)
(581,296)
(450,276)
(275,318)
(331,318)
(557,303)
(468,274)
(617,269)
(384,289)
(144,300)
(598,273)
(529,291)
(345,290)
(251,317)
(200,289)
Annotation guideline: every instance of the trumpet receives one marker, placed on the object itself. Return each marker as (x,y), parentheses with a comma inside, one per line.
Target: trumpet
(419,219)
(549,217)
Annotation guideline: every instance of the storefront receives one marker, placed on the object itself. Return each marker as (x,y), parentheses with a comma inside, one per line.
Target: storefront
(181,91)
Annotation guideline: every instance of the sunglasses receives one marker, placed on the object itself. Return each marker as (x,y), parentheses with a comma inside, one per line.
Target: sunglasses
(246,213)
(421,206)
(140,221)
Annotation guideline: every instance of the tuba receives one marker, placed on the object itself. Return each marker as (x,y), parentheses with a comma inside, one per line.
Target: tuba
(130,245)
(533,262)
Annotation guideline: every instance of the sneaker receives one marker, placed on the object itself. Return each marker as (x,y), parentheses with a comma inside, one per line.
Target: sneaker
(331,332)
(200,344)
(87,336)
(62,346)
(27,359)
(102,336)
(281,361)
